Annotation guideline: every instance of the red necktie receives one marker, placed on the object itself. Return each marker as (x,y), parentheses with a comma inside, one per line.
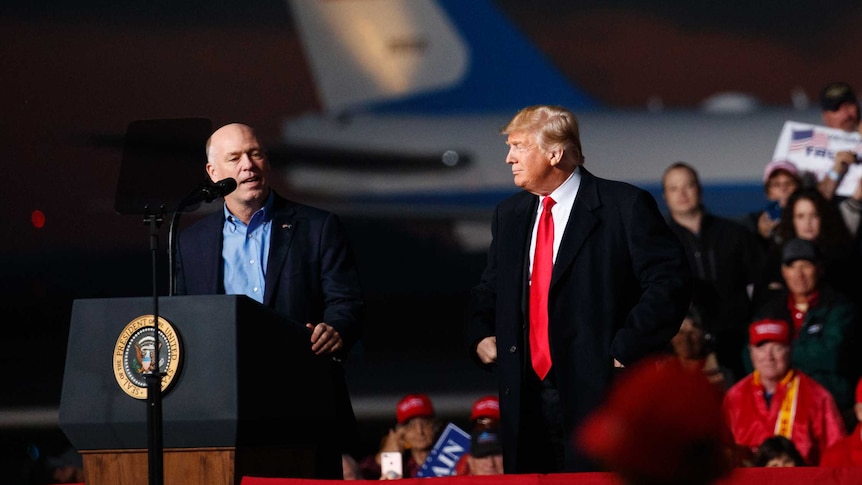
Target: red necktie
(540,282)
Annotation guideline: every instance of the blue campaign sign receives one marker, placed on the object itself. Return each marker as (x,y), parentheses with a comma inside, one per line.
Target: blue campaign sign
(453,443)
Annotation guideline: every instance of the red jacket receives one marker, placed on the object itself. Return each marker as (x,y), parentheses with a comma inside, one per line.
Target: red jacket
(817,424)
(846,452)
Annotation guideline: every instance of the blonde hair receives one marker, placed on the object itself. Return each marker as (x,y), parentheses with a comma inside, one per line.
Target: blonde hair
(554,126)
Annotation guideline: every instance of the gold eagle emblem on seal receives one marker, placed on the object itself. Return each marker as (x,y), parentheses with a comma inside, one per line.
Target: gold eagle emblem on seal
(135,355)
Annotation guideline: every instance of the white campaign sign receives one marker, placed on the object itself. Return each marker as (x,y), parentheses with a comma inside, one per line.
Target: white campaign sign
(812,148)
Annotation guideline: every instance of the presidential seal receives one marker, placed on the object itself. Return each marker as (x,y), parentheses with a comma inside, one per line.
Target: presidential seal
(135,352)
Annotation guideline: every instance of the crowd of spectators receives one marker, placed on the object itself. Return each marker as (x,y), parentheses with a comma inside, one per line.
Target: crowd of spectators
(783,307)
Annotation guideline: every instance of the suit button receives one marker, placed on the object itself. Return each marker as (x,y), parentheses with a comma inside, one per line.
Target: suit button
(512,349)
(506,392)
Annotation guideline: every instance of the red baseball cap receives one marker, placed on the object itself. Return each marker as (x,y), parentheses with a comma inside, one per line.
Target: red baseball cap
(486,407)
(413,405)
(769,330)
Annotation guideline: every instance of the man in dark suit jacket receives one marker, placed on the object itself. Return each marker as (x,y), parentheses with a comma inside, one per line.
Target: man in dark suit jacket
(291,257)
(619,290)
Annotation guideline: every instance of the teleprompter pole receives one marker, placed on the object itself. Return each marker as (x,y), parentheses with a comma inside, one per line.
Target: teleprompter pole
(155,445)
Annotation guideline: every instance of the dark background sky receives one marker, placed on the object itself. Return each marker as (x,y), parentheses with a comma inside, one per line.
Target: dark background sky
(73,69)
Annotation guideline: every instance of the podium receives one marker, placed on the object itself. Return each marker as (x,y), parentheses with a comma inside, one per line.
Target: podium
(247,397)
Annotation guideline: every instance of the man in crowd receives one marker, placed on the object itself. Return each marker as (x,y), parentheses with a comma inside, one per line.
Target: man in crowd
(486,451)
(777,399)
(583,276)
(724,257)
(840,110)
(839,106)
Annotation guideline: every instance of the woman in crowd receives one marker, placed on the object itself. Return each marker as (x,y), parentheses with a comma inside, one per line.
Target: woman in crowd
(809,216)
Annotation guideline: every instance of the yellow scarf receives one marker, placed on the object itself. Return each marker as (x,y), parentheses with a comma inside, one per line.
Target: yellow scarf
(787,413)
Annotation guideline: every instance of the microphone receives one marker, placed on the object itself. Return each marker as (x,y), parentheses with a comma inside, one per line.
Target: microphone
(219,189)
(208,191)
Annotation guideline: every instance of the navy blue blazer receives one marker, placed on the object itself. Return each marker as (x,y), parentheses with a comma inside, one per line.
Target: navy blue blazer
(311,274)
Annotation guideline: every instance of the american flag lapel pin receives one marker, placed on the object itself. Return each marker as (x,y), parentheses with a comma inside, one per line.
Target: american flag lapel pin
(286,226)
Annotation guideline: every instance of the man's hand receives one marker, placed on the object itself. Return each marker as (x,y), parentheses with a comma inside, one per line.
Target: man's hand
(487,350)
(843,160)
(324,338)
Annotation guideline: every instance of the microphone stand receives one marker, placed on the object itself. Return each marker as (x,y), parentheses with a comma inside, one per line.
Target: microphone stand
(172,251)
(155,441)
(153,377)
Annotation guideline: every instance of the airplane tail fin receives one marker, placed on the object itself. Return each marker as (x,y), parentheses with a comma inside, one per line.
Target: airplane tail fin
(429,56)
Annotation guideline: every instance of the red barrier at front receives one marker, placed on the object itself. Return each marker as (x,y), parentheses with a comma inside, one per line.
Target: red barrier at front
(740,476)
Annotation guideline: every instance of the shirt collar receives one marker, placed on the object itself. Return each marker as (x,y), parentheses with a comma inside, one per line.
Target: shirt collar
(564,195)
(265,211)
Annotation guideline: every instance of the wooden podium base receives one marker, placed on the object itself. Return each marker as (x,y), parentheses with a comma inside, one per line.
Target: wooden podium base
(193,466)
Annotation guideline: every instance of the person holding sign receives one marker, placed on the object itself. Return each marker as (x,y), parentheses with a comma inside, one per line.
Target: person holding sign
(839,106)
(840,110)
(826,155)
